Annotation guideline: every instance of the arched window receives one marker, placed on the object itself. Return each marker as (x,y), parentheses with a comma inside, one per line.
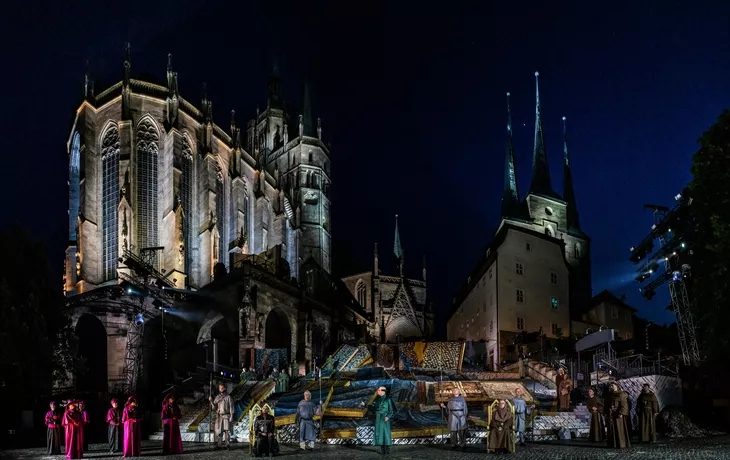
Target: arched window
(146,207)
(186,199)
(361,293)
(74,167)
(246,214)
(549,231)
(220,216)
(110,202)
(578,251)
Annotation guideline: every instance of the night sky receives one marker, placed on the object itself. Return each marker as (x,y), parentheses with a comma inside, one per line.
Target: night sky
(412,99)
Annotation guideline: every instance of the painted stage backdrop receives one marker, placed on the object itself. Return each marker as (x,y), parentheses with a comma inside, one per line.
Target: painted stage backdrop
(431,355)
(268,358)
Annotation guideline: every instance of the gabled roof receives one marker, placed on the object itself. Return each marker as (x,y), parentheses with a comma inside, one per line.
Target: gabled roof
(487,260)
(608,297)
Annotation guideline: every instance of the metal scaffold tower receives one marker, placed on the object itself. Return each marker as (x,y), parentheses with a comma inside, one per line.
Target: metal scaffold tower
(673,230)
(144,279)
(680,299)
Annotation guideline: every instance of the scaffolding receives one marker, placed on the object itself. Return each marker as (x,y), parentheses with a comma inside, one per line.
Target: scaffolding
(673,246)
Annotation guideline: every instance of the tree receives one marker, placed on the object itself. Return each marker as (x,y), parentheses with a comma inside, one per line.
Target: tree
(711,205)
(35,335)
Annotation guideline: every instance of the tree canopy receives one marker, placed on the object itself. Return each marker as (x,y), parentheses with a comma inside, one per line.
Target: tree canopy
(35,334)
(710,190)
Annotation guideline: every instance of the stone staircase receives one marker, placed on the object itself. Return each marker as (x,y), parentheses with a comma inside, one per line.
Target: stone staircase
(547,426)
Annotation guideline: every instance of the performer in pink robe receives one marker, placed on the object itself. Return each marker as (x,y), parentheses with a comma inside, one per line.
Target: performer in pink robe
(132,420)
(171,440)
(84,430)
(74,438)
(53,436)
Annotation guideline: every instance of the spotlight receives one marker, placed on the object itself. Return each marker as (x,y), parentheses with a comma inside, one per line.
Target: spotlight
(139,319)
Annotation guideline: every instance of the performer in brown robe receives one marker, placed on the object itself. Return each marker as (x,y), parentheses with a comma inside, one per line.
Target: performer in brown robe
(501,428)
(616,410)
(647,408)
(595,408)
(559,378)
(564,389)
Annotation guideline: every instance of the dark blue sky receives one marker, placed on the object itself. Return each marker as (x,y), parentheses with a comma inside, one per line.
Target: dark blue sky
(412,98)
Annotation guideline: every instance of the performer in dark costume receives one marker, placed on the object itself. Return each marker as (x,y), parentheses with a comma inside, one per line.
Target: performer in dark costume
(53,430)
(114,420)
(384,409)
(647,408)
(171,439)
(616,410)
(595,408)
(265,429)
(501,428)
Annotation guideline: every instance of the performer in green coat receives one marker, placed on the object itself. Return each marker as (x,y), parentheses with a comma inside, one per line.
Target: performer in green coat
(383,408)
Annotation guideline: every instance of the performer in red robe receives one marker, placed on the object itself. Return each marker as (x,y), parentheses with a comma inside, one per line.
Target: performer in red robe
(53,437)
(85,419)
(132,420)
(171,440)
(114,420)
(74,437)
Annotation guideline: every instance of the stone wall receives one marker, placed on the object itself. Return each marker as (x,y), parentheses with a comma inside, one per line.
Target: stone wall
(668,390)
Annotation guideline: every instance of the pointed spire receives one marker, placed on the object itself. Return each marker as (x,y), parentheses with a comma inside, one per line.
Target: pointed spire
(171,86)
(397,249)
(274,99)
(233,123)
(541,184)
(510,195)
(568,191)
(307,118)
(127,62)
(88,93)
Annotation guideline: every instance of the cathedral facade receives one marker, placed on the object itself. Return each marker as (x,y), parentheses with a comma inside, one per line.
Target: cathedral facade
(163,202)
(537,267)
(398,305)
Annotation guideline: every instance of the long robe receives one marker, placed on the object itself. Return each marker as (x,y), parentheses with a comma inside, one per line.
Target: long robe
(522,410)
(616,410)
(74,438)
(598,430)
(306,410)
(53,433)
(132,420)
(501,429)
(282,382)
(171,439)
(647,407)
(115,427)
(224,410)
(457,420)
(265,430)
(84,429)
(383,408)
(566,386)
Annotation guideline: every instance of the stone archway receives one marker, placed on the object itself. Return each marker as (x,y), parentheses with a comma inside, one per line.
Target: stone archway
(91,373)
(277,331)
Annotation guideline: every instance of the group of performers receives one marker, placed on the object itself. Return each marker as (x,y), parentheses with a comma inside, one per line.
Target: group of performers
(610,417)
(609,422)
(124,428)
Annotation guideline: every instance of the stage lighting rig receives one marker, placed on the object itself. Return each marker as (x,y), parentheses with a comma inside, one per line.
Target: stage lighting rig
(674,230)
